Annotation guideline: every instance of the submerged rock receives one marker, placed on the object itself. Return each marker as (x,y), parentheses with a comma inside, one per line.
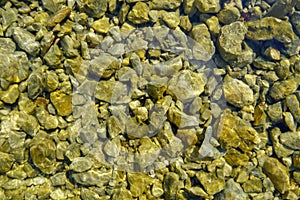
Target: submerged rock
(231,46)
(269,28)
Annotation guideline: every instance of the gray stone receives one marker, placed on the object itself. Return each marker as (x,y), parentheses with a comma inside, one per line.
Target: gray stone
(291,140)
(81,164)
(26,41)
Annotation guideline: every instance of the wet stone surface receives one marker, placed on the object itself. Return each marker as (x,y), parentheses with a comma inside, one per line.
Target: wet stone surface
(149,99)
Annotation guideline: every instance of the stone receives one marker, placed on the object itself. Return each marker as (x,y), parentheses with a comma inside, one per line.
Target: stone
(45,119)
(165,4)
(139,13)
(101,25)
(229,15)
(185,23)
(181,119)
(235,132)
(274,111)
(211,183)
(36,84)
(232,190)
(296,22)
(236,158)
(272,53)
(58,179)
(6,161)
(9,16)
(294,106)
(171,185)
(62,103)
(204,47)
(81,164)
(281,89)
(7,44)
(94,8)
(26,41)
(52,81)
(237,92)
(210,6)
(186,85)
(278,174)
(54,56)
(59,16)
(281,8)
(269,28)
(42,152)
(92,177)
(27,123)
(171,19)
(138,183)
(230,43)
(291,140)
(253,186)
(11,95)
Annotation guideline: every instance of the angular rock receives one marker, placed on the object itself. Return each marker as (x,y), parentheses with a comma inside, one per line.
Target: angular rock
(165,4)
(171,185)
(291,139)
(281,8)
(211,183)
(139,13)
(59,16)
(278,173)
(230,44)
(54,56)
(281,89)
(269,28)
(94,8)
(229,15)
(7,44)
(6,161)
(171,19)
(237,92)
(36,84)
(92,177)
(11,95)
(62,102)
(232,190)
(211,6)
(101,25)
(26,41)
(236,158)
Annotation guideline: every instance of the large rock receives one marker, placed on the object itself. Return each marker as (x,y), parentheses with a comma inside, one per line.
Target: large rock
(237,92)
(230,44)
(278,173)
(269,28)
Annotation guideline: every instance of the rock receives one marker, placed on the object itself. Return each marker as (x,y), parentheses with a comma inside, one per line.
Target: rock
(62,103)
(274,111)
(180,119)
(253,186)
(14,67)
(6,161)
(237,92)
(291,140)
(230,42)
(58,179)
(52,81)
(211,6)
(138,183)
(204,48)
(272,53)
(26,41)
(42,153)
(11,95)
(186,85)
(81,164)
(27,123)
(139,13)
(294,106)
(236,158)
(92,177)
(36,84)
(46,120)
(229,15)
(185,23)
(236,132)
(197,191)
(101,25)
(211,183)
(296,21)
(232,190)
(54,56)
(269,28)
(281,8)
(94,8)
(57,194)
(59,16)
(171,19)
(281,89)
(9,16)
(165,4)
(171,185)
(278,174)
(7,44)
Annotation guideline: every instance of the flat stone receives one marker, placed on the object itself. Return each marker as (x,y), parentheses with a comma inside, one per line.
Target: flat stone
(92,177)
(269,28)
(237,92)
(26,41)
(278,173)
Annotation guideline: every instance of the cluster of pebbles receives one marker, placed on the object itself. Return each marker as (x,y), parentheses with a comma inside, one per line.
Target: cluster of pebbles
(149,99)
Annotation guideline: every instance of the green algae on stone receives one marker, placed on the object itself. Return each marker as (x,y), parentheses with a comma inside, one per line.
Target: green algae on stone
(278,173)
(270,28)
